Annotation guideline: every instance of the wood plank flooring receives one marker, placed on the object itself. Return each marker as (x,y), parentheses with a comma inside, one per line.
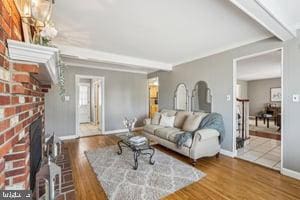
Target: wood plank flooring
(266,135)
(226,178)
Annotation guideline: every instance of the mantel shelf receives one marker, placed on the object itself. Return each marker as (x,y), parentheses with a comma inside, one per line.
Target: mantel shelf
(46,57)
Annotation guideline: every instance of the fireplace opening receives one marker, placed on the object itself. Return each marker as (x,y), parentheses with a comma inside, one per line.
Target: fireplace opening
(35,133)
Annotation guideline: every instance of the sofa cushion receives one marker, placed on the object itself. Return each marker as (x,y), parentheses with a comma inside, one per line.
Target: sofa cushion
(180,118)
(165,132)
(192,122)
(170,135)
(168,112)
(156,118)
(167,121)
(150,128)
(201,113)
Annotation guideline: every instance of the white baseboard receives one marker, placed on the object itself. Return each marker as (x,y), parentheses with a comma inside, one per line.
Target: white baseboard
(68,137)
(290,173)
(116,131)
(122,130)
(227,153)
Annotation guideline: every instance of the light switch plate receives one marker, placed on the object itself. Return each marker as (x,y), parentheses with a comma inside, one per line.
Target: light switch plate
(228,97)
(296,98)
(67,98)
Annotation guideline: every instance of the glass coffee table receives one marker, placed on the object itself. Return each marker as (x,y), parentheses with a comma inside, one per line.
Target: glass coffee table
(144,149)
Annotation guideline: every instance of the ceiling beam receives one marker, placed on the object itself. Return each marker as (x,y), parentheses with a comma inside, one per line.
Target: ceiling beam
(77,62)
(260,13)
(116,59)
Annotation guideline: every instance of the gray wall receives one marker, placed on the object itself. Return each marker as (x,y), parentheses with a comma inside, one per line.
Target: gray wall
(125,95)
(85,80)
(291,110)
(217,70)
(259,93)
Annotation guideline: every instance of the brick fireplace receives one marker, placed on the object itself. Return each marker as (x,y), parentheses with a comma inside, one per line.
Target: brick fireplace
(21,104)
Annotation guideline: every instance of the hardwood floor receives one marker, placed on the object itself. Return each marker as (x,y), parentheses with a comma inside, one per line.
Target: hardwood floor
(266,135)
(226,178)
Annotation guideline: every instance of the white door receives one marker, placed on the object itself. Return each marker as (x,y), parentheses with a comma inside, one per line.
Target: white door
(84,103)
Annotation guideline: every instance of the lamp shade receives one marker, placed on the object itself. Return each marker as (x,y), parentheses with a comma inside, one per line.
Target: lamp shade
(37,10)
(41,10)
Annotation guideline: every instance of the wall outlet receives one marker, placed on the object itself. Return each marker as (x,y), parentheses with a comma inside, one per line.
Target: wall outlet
(228,97)
(296,98)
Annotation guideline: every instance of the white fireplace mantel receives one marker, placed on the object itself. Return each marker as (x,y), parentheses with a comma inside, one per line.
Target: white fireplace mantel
(46,57)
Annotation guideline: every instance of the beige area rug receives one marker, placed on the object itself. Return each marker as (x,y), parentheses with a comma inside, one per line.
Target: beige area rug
(149,182)
(263,127)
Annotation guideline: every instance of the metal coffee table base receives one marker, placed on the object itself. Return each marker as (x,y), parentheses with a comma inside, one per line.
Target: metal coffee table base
(137,152)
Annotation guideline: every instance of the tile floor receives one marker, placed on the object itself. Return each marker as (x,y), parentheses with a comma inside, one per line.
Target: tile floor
(263,151)
(263,127)
(88,129)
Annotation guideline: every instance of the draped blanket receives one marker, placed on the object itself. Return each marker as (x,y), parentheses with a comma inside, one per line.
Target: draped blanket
(211,121)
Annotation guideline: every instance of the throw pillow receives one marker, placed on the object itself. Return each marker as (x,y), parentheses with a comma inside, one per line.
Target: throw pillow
(156,118)
(167,121)
(168,112)
(180,118)
(192,122)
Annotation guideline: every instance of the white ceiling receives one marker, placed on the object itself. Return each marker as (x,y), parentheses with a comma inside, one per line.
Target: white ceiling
(260,67)
(159,32)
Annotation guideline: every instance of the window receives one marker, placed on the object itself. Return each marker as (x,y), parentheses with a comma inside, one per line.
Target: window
(83,95)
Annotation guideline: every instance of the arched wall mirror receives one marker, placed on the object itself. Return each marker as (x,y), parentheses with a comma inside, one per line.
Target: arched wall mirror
(181,97)
(201,98)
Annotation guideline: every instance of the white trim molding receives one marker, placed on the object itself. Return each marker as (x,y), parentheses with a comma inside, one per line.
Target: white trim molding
(227,153)
(116,131)
(45,56)
(234,79)
(290,173)
(68,137)
(102,80)
(258,11)
(122,130)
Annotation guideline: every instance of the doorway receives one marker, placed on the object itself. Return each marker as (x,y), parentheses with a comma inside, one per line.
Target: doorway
(84,101)
(257,108)
(89,105)
(153,90)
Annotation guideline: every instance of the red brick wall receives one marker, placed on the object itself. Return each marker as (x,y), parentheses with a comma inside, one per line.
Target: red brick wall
(21,102)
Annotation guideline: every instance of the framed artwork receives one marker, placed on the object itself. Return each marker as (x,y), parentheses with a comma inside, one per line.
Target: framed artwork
(275,94)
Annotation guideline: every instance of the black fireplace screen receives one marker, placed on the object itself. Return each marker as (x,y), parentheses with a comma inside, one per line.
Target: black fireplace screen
(35,149)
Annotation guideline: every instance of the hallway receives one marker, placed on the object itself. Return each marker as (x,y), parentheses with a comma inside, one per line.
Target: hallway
(88,129)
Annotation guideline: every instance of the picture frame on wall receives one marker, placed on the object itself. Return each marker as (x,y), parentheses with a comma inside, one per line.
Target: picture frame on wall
(276,94)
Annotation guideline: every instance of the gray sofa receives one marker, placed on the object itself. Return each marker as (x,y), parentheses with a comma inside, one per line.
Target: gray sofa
(204,143)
